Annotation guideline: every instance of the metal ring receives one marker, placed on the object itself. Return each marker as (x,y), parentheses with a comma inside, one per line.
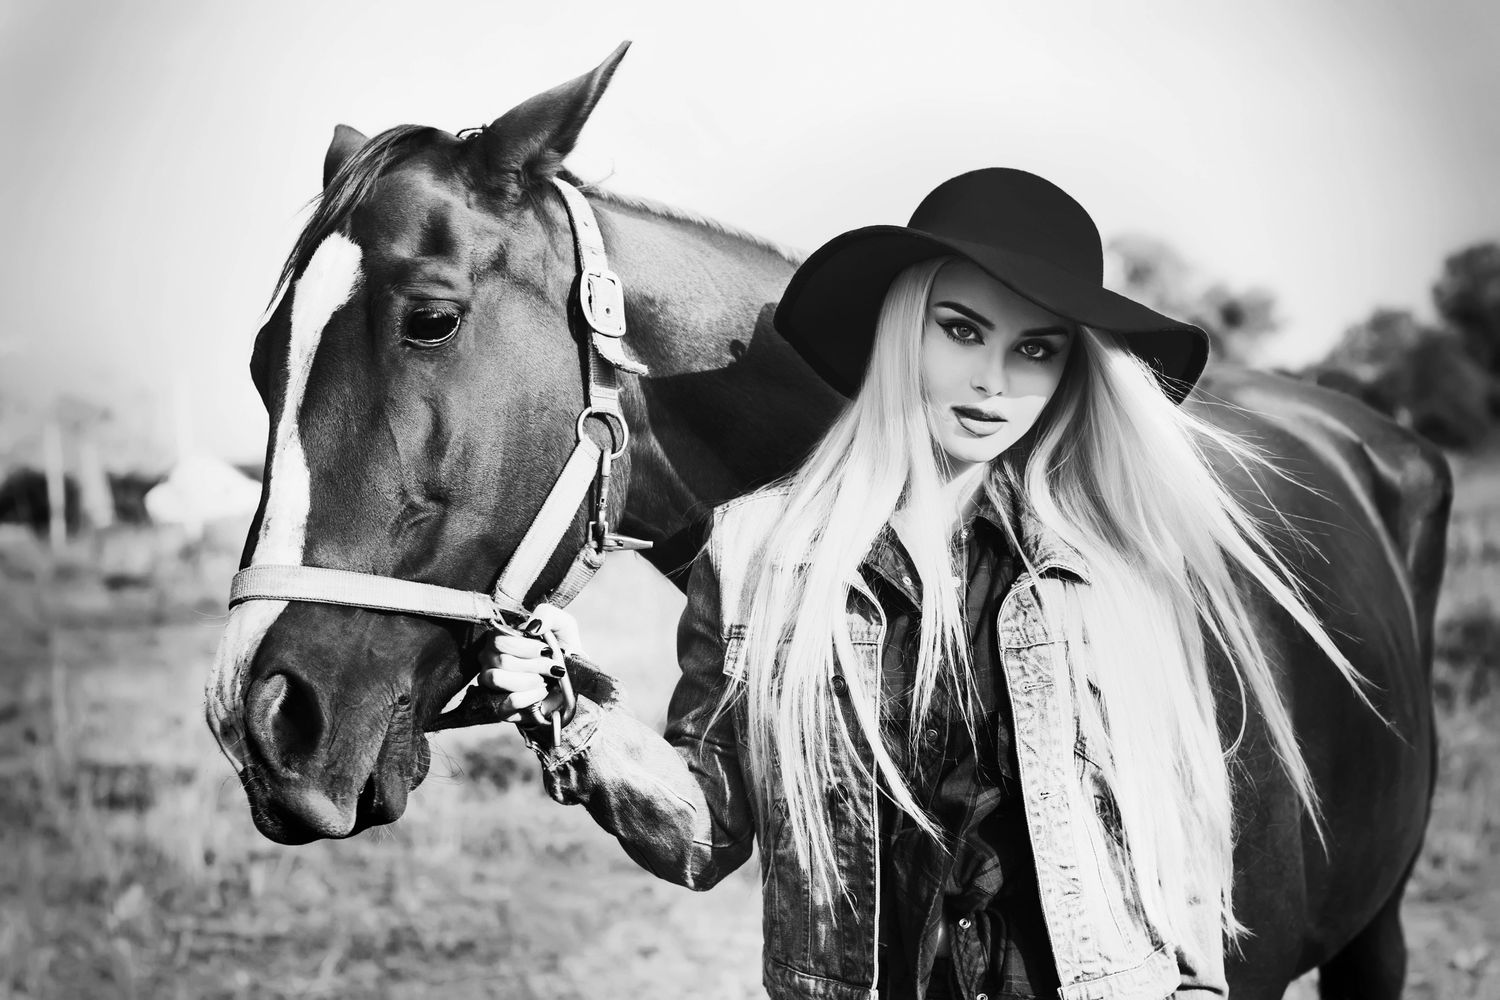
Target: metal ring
(614,420)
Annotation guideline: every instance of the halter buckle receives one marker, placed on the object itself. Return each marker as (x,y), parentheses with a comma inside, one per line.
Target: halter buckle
(619,430)
(602,299)
(607,541)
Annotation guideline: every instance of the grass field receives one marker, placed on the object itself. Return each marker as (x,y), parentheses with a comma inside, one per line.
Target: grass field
(129,866)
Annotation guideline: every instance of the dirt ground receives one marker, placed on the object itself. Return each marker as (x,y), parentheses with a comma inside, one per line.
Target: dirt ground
(129,866)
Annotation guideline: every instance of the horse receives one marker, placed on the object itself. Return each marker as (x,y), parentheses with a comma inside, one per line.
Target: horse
(423,381)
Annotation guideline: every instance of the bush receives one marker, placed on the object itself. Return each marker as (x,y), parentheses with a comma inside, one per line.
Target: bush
(1467,658)
(1467,294)
(1421,376)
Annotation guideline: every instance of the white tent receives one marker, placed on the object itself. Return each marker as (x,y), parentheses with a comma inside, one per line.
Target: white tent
(202,489)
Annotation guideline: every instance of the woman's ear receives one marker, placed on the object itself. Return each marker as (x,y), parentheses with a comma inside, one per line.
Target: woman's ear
(529,142)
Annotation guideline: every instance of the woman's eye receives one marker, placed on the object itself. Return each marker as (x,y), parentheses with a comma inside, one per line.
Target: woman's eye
(431,327)
(1036,350)
(962,332)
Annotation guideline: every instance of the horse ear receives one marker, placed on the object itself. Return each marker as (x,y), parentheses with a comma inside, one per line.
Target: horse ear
(529,142)
(346,142)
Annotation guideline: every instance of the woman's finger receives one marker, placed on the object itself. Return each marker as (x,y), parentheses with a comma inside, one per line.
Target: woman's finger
(489,659)
(519,701)
(501,679)
(528,665)
(562,624)
(517,645)
(531,658)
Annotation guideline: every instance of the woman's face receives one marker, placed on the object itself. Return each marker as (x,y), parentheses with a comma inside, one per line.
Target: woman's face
(990,362)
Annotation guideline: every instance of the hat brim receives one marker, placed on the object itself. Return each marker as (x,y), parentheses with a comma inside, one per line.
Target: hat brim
(829,309)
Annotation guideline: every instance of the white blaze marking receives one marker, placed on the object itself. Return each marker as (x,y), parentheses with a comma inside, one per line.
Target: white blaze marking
(326,284)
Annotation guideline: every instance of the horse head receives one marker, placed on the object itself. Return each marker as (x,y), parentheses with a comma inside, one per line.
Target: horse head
(423,389)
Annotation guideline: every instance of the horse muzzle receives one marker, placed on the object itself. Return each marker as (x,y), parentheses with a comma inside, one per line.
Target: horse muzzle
(305,783)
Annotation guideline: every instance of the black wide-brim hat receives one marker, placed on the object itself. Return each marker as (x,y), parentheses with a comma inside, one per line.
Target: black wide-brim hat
(1024,231)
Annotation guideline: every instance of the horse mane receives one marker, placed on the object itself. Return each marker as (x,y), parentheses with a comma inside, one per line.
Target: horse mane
(654,207)
(350,186)
(357,176)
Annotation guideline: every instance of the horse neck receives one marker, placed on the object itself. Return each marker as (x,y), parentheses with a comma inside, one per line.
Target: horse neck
(728,405)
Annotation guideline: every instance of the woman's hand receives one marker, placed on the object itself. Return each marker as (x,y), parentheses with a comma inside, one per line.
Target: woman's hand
(518,664)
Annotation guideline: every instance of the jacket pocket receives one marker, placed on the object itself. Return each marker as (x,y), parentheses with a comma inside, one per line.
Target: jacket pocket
(787,919)
(734,651)
(1122,908)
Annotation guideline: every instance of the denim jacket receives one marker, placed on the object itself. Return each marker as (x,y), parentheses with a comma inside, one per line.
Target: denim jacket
(683,806)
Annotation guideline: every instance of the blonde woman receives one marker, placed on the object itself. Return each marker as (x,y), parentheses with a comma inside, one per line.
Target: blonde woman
(950,673)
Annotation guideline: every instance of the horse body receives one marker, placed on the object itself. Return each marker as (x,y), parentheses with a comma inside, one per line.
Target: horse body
(423,457)
(1371,504)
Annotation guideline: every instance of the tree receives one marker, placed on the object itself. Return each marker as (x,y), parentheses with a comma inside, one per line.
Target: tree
(1467,295)
(1237,321)
(1369,350)
(1451,399)
(1418,374)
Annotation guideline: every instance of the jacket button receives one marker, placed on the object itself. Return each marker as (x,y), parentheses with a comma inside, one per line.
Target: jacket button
(932,735)
(840,686)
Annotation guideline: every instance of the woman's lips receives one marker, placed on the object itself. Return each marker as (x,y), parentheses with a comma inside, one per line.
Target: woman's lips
(978,422)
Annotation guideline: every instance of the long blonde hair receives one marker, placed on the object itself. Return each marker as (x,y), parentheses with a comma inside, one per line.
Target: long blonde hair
(1117,471)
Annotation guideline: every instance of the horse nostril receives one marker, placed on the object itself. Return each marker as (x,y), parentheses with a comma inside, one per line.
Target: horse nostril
(284,720)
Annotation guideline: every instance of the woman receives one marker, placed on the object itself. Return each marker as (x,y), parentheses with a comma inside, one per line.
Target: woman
(951,673)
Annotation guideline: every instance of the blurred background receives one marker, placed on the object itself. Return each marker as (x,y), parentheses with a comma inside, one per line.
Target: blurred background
(1313,182)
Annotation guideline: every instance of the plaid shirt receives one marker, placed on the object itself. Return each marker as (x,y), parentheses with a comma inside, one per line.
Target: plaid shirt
(979,900)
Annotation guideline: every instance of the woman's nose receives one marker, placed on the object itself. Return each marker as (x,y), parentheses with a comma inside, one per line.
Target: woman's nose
(989,377)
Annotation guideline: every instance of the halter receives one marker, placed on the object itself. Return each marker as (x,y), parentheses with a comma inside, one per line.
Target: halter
(601,307)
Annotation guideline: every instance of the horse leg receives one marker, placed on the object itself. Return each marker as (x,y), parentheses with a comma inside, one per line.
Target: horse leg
(1373,965)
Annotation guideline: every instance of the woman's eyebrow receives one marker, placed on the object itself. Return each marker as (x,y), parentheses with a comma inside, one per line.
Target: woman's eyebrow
(966,312)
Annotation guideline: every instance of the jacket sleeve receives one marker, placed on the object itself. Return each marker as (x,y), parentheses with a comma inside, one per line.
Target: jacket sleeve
(677,801)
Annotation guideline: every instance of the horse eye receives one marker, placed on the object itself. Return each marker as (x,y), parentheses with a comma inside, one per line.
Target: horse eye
(431,327)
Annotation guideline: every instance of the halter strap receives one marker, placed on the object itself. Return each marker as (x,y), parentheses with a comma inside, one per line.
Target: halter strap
(320,585)
(600,305)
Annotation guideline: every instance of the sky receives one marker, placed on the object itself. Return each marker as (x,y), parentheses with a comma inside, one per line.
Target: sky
(160,154)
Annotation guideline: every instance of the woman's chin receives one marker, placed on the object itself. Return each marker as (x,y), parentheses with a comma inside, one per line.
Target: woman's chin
(967,449)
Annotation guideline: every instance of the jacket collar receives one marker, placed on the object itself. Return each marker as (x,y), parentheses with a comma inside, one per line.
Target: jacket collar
(1045,548)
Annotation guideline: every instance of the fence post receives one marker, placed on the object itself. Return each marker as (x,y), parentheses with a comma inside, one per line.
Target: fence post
(57,492)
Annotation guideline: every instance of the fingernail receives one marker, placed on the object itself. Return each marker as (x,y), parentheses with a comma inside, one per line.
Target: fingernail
(558,670)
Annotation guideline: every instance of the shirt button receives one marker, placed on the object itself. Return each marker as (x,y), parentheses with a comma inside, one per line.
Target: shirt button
(964,922)
(840,686)
(906,580)
(932,735)
(981,996)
